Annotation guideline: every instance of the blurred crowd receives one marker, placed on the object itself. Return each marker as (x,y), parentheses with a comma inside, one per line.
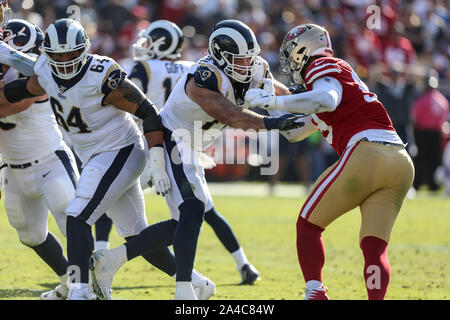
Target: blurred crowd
(400,48)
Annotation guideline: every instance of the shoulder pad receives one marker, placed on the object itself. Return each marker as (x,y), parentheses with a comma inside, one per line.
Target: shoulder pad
(141,71)
(208,77)
(113,77)
(326,66)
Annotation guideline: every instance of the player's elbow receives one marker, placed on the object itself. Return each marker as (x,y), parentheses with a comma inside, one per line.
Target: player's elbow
(327,101)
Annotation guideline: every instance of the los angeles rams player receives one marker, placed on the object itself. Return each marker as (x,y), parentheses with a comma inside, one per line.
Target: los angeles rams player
(40,170)
(374,171)
(157,70)
(92,100)
(209,96)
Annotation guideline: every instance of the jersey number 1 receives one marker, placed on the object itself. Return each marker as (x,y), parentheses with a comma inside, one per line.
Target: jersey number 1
(74,118)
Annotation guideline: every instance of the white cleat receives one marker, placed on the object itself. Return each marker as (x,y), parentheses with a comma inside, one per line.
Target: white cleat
(81,294)
(59,293)
(205,289)
(103,269)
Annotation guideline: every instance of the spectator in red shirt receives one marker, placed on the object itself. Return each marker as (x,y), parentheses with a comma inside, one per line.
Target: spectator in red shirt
(429,112)
(397,48)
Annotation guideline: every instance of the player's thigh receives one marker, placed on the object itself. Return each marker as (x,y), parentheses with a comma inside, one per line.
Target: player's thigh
(380,209)
(27,215)
(186,175)
(104,179)
(128,212)
(58,186)
(341,188)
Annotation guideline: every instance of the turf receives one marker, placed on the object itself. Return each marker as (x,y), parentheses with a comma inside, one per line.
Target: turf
(419,253)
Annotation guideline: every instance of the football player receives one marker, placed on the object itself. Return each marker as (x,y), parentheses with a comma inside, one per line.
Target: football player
(40,169)
(157,70)
(374,171)
(92,100)
(208,97)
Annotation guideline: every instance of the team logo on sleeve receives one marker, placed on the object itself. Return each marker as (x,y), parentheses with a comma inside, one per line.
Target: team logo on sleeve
(114,79)
(205,74)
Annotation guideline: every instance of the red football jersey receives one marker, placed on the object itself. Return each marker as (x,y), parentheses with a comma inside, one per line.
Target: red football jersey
(358,110)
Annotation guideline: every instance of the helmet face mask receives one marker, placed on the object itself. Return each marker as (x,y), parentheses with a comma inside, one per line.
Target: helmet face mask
(299,45)
(161,39)
(76,40)
(241,72)
(69,68)
(233,47)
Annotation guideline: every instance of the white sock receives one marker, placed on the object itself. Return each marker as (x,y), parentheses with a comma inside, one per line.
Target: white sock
(64,279)
(101,245)
(79,286)
(240,258)
(120,254)
(314,285)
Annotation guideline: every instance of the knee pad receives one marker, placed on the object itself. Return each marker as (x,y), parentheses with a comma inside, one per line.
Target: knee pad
(31,237)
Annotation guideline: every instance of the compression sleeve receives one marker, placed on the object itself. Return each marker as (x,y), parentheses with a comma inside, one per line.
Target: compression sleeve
(16,59)
(325,96)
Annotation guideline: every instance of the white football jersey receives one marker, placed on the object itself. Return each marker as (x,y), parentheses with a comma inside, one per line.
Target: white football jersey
(78,106)
(157,78)
(31,134)
(187,120)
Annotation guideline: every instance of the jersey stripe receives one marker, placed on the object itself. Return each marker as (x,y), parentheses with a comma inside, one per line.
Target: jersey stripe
(314,69)
(321,73)
(320,190)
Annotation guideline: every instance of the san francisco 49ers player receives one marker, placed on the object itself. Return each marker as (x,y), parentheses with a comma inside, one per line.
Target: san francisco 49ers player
(374,171)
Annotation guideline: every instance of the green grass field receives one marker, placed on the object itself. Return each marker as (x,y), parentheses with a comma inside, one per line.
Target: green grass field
(419,253)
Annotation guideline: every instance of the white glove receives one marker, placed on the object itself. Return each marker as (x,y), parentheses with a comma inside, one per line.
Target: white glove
(267,85)
(157,174)
(260,98)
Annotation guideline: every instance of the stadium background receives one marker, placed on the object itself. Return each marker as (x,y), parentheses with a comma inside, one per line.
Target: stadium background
(411,40)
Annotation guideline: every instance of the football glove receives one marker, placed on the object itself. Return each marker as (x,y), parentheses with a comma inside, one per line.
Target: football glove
(158,177)
(285,122)
(260,98)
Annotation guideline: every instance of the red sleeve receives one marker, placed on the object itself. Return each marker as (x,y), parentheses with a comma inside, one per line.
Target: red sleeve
(321,68)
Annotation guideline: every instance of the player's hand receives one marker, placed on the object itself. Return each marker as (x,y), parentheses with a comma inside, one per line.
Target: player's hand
(267,85)
(260,98)
(285,122)
(158,177)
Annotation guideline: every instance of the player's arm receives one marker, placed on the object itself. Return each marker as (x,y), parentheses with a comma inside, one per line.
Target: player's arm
(16,59)
(18,95)
(325,96)
(124,95)
(224,111)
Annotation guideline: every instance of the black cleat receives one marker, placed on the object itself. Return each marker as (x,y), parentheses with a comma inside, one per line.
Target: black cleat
(249,274)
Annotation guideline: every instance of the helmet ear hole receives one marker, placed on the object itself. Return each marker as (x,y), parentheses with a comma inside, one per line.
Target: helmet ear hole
(165,40)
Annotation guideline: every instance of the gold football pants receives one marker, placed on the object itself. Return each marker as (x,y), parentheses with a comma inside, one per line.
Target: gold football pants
(373,176)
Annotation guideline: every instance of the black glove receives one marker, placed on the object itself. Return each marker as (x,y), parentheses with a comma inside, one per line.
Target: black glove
(297,88)
(285,122)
